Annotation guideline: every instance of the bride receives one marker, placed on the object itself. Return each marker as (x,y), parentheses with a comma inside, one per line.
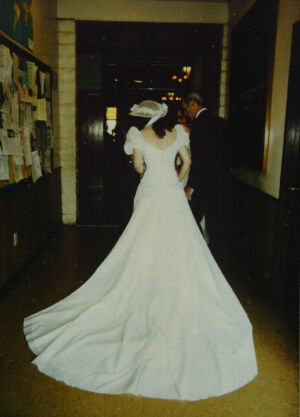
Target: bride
(157,318)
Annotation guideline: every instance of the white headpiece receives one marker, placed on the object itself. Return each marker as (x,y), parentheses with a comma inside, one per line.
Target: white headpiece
(149,108)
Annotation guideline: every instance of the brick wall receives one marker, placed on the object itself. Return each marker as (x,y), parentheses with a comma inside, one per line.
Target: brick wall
(224,74)
(67,117)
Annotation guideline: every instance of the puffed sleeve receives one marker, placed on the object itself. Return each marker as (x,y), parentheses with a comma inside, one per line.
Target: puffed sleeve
(133,140)
(184,138)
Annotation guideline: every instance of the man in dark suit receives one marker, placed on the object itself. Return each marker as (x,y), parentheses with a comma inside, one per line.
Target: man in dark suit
(209,183)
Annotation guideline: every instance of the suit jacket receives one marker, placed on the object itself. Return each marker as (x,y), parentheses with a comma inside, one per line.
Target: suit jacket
(209,173)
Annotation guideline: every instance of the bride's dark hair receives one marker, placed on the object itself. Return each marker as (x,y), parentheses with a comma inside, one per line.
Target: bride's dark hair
(138,122)
(167,122)
(161,126)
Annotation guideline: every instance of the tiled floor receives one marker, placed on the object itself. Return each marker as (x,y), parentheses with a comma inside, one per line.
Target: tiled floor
(67,261)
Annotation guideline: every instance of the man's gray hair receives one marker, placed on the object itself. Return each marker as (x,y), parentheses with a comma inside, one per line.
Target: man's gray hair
(196,96)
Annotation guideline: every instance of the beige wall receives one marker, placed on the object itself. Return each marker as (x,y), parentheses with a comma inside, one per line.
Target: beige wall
(45,31)
(144,11)
(289,13)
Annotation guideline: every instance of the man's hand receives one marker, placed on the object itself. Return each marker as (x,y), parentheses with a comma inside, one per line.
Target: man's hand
(188,192)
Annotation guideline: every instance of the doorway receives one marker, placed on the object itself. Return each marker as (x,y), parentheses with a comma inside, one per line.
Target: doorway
(119,64)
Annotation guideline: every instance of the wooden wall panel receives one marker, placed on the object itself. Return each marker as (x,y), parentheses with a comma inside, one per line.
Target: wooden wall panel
(33,210)
(256,223)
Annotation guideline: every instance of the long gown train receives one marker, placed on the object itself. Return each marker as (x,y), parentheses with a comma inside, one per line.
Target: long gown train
(157,318)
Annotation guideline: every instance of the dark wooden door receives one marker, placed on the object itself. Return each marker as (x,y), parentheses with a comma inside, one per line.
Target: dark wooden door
(288,238)
(119,64)
(90,185)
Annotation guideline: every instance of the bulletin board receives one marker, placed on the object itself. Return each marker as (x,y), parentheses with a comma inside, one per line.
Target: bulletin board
(26,140)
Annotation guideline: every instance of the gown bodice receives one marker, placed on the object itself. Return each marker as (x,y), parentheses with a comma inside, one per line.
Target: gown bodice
(160,163)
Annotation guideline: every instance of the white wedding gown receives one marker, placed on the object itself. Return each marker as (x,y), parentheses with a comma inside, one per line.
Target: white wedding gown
(157,318)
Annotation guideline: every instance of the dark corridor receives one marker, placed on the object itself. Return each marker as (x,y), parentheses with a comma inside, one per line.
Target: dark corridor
(119,64)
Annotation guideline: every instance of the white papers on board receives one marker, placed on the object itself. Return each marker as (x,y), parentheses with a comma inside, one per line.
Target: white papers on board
(36,166)
(4,168)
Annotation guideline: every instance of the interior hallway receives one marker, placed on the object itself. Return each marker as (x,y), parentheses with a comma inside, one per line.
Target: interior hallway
(61,266)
